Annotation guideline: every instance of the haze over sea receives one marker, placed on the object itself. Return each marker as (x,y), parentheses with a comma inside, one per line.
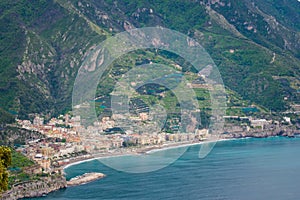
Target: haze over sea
(266,168)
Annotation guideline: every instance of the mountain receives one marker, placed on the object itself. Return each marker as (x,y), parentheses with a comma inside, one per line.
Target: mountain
(255,44)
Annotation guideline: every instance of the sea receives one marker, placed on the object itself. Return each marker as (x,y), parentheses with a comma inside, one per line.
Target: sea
(250,169)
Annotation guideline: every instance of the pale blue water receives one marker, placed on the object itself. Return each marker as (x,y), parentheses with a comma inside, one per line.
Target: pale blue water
(247,169)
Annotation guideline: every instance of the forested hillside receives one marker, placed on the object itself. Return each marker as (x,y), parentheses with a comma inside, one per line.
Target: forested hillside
(255,44)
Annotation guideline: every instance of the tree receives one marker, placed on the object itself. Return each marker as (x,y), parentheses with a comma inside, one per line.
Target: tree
(5,161)
(5,156)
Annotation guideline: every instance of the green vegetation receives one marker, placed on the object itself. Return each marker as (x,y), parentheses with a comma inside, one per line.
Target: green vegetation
(129,143)
(14,136)
(19,160)
(203,97)
(38,41)
(16,173)
(5,161)
(5,117)
(43,43)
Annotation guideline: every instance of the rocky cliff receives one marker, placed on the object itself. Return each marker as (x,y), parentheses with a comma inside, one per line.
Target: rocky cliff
(35,188)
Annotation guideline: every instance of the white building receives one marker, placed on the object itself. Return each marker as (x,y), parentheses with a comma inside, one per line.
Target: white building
(38,121)
(259,123)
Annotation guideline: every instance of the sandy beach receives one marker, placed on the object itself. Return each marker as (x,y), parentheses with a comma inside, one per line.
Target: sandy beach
(140,151)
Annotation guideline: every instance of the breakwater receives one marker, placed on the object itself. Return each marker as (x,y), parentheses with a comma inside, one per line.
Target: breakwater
(85,178)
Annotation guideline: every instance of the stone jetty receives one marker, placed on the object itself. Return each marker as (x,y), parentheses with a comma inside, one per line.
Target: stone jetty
(85,178)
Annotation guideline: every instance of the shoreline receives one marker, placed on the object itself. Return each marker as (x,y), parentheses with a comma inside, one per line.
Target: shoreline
(147,150)
(93,158)
(140,151)
(156,148)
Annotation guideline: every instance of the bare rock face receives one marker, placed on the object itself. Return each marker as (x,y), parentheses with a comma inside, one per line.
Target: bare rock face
(35,188)
(283,131)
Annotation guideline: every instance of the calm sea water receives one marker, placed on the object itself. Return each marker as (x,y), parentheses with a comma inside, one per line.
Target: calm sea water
(239,169)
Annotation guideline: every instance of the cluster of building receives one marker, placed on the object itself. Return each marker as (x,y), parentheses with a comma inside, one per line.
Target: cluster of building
(250,123)
(65,138)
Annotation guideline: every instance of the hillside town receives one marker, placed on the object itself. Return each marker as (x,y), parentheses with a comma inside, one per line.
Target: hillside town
(65,142)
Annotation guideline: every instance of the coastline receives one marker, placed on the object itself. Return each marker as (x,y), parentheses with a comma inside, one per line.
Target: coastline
(179,145)
(156,148)
(146,150)
(92,176)
(107,155)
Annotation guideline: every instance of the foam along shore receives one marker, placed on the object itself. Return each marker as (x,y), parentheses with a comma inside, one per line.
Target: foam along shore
(182,145)
(96,157)
(85,178)
(154,148)
(144,150)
